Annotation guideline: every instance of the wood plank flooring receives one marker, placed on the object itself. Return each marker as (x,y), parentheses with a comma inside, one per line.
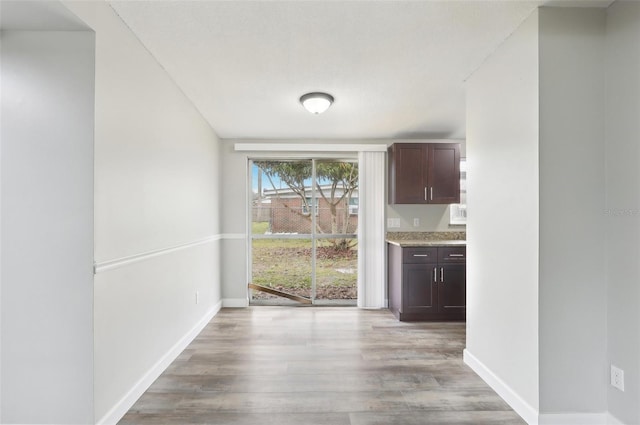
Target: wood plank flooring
(321,366)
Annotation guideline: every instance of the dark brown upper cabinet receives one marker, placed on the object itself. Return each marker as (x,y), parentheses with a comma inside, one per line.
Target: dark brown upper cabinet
(424,173)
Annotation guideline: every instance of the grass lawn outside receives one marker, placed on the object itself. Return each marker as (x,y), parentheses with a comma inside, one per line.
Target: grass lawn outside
(285,264)
(259,227)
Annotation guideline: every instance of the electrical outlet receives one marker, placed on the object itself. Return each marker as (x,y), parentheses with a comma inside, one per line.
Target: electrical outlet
(393,222)
(197,297)
(416,222)
(617,378)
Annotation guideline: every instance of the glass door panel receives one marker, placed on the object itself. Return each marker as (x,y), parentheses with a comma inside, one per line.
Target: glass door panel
(304,218)
(336,242)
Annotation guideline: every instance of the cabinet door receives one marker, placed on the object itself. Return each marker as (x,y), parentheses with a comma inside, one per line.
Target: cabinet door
(419,290)
(452,295)
(444,173)
(408,175)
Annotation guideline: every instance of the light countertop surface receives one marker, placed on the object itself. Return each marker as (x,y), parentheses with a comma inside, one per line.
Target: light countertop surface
(407,239)
(423,242)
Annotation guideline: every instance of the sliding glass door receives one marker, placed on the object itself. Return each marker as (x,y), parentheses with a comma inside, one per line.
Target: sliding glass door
(304,217)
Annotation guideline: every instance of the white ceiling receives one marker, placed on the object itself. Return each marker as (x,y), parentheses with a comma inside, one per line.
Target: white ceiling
(40,15)
(396,68)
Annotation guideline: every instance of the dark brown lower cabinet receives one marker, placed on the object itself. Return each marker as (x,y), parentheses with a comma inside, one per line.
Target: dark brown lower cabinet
(427,283)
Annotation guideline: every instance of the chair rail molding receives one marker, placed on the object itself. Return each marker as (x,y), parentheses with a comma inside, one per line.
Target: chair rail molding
(102,266)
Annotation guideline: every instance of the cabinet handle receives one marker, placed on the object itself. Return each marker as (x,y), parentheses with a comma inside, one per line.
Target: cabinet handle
(435,274)
(420,255)
(441,274)
(431,194)
(425,193)
(456,255)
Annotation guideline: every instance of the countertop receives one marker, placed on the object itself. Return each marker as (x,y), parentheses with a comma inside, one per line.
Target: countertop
(407,239)
(422,242)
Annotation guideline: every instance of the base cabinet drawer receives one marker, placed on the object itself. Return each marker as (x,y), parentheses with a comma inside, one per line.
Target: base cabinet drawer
(453,254)
(427,283)
(419,255)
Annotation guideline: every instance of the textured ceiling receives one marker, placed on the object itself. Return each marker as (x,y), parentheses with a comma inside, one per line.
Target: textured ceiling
(395,68)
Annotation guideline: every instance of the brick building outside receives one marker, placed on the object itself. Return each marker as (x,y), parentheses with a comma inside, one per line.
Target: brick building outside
(286,212)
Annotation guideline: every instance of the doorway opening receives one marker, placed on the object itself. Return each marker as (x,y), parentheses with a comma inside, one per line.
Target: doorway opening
(304,220)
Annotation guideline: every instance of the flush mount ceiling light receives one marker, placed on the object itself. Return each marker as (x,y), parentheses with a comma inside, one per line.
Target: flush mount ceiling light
(316,102)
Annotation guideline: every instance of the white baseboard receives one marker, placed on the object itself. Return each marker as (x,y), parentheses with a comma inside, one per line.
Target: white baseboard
(122,407)
(525,410)
(522,408)
(235,302)
(572,419)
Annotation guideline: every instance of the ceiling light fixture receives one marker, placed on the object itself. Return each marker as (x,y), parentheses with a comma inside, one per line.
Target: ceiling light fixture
(316,102)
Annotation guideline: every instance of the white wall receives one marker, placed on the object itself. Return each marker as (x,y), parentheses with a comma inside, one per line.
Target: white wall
(502,205)
(156,188)
(582,304)
(433,218)
(47,226)
(623,204)
(234,225)
(572,316)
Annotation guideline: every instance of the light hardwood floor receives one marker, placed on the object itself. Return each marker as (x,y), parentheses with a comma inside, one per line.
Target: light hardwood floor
(321,366)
